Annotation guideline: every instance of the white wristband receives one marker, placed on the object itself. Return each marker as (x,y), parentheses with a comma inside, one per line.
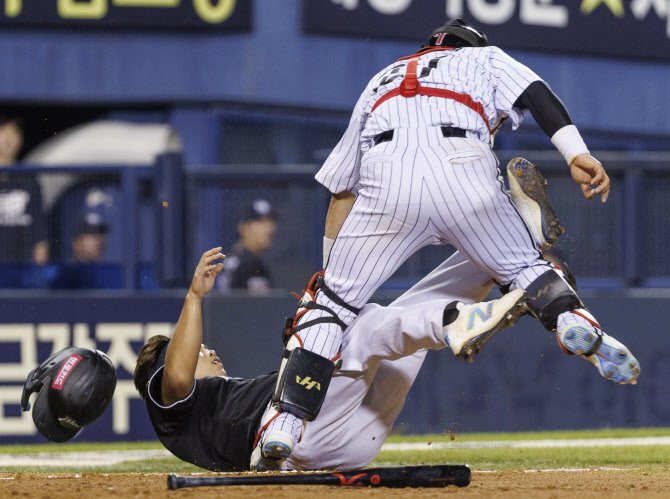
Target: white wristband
(327,245)
(569,143)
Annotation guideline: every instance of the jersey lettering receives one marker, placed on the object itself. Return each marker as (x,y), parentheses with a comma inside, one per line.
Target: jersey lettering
(391,75)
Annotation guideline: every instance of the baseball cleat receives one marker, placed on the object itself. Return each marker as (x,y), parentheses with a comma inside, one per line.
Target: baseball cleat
(612,359)
(261,463)
(278,445)
(476,324)
(529,195)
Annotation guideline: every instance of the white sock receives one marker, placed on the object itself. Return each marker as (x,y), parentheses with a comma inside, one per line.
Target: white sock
(569,318)
(286,422)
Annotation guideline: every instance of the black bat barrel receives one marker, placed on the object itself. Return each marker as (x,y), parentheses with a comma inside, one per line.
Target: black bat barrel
(402,476)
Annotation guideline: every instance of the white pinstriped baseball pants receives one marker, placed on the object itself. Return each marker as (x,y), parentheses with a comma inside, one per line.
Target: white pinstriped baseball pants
(415,190)
(381,359)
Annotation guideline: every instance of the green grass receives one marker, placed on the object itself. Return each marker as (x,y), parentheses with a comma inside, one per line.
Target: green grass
(166,465)
(653,458)
(536,435)
(648,457)
(79,447)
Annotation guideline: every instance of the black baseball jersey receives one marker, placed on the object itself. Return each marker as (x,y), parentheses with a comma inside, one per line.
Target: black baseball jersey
(22,223)
(215,426)
(244,270)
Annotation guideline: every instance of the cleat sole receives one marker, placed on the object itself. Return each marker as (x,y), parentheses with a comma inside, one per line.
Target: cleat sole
(613,362)
(276,450)
(528,190)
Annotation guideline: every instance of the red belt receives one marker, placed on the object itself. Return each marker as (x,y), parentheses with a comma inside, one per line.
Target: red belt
(409,87)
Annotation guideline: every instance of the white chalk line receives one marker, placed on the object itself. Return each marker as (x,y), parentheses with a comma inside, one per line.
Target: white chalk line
(560,470)
(528,444)
(84,458)
(108,458)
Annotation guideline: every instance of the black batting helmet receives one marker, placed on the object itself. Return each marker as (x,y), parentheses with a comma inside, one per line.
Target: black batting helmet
(456,33)
(74,387)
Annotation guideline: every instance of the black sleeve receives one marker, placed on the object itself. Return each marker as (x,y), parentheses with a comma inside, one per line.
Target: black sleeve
(545,106)
(168,419)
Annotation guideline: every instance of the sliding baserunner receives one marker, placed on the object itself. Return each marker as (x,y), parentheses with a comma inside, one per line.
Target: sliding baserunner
(212,420)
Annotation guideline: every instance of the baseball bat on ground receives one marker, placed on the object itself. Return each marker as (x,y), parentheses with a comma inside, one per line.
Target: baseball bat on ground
(402,476)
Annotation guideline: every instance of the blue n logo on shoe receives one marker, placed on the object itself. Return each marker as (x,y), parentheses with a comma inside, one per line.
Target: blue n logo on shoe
(478,312)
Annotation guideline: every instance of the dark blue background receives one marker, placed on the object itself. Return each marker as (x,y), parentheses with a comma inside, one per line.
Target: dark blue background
(184,15)
(521,381)
(599,32)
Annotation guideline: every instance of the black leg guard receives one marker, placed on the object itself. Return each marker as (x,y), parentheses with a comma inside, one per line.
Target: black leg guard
(562,266)
(304,376)
(302,383)
(549,296)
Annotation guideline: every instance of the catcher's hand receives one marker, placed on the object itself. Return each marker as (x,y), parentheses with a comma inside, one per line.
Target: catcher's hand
(589,173)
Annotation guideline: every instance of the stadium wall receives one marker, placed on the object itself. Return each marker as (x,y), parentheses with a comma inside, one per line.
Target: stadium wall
(522,381)
(277,64)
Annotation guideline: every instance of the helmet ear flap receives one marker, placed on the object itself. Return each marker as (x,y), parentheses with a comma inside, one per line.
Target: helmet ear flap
(33,384)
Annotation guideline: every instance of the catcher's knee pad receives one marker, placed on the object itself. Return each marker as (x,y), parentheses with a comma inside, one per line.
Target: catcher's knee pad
(562,266)
(302,382)
(549,296)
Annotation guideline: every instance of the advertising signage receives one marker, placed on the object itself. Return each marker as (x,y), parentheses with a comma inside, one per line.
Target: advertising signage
(170,14)
(619,28)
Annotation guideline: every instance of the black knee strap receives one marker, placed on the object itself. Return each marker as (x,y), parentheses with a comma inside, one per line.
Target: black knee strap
(303,383)
(549,296)
(289,323)
(289,330)
(333,297)
(334,319)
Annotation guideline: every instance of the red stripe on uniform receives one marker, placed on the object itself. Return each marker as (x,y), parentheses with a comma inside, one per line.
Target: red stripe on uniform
(265,427)
(411,87)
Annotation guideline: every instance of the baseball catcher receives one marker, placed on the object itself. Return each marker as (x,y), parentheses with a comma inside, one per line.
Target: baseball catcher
(415,167)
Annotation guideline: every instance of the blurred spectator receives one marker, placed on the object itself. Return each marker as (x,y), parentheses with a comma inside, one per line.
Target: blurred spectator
(90,238)
(23,234)
(88,246)
(243,267)
(101,142)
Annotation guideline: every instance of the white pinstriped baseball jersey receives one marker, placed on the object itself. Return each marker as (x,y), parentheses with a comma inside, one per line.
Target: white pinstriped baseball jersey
(420,187)
(488,75)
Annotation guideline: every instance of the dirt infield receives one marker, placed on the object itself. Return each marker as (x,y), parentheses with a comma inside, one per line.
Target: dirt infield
(565,483)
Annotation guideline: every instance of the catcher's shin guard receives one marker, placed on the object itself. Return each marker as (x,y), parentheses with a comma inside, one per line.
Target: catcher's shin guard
(302,382)
(549,296)
(304,376)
